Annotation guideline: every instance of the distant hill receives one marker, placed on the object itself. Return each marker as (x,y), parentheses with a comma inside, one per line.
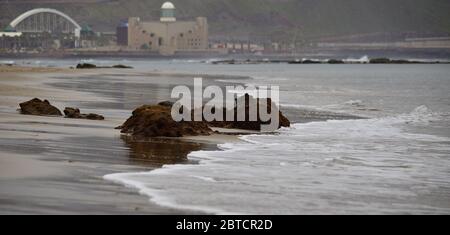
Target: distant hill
(265,19)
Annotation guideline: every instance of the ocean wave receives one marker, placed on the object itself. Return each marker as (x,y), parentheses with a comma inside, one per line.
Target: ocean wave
(300,106)
(354,102)
(337,166)
(158,197)
(7,62)
(269,78)
(87,61)
(420,115)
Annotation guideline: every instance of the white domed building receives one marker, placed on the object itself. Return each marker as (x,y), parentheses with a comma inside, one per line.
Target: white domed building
(168,36)
(168,12)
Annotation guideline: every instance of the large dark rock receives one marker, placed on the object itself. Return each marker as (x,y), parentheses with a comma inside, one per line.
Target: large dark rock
(39,107)
(247,124)
(156,121)
(75,113)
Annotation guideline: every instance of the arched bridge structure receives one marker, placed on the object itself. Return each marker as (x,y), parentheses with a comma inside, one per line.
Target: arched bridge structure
(45,20)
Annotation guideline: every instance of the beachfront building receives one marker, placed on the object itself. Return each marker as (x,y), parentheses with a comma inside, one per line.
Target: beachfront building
(40,29)
(168,36)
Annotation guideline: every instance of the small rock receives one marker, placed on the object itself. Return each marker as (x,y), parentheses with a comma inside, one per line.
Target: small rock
(334,61)
(93,116)
(311,62)
(86,66)
(71,112)
(75,113)
(121,66)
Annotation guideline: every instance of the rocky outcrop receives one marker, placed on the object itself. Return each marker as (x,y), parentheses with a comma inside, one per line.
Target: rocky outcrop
(391,61)
(335,61)
(247,124)
(86,66)
(156,121)
(39,107)
(93,66)
(75,113)
(121,66)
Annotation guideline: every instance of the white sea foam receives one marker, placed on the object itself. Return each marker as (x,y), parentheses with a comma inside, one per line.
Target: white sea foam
(351,166)
(270,79)
(7,62)
(364,59)
(303,107)
(354,102)
(87,61)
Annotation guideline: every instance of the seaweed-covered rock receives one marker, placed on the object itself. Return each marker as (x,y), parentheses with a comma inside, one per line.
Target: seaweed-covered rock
(75,113)
(156,121)
(39,107)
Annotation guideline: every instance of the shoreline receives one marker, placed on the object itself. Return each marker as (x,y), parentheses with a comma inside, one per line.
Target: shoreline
(335,53)
(87,150)
(94,148)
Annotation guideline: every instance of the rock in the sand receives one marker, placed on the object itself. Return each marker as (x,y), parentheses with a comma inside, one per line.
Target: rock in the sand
(156,121)
(75,113)
(92,116)
(93,66)
(86,66)
(71,112)
(247,124)
(39,107)
(121,66)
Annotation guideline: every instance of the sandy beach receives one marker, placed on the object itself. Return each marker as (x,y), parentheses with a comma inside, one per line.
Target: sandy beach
(54,165)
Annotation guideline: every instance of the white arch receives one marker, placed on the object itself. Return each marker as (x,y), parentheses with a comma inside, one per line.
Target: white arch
(27,14)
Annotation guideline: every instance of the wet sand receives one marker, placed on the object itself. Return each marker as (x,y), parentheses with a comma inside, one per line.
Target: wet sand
(53,165)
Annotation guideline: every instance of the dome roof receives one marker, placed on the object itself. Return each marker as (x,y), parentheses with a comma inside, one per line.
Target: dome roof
(167,5)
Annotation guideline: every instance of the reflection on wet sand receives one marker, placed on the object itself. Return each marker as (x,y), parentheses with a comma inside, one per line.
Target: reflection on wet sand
(161,151)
